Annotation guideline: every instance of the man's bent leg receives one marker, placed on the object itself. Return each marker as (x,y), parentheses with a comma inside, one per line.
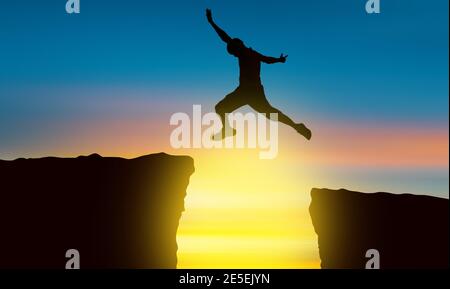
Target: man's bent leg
(230,103)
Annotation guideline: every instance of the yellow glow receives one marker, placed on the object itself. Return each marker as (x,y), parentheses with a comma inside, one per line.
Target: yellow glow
(243,212)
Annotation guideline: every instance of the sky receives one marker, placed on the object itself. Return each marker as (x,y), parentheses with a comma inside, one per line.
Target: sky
(373,89)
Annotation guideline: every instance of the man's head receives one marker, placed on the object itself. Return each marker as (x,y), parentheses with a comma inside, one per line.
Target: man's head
(235,47)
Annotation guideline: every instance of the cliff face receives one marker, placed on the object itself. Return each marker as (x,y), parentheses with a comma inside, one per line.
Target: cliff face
(117,213)
(409,231)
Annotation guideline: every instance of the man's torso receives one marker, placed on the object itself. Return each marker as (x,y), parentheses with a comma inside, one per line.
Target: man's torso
(250,68)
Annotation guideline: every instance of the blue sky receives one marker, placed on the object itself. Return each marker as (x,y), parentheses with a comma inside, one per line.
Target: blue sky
(342,62)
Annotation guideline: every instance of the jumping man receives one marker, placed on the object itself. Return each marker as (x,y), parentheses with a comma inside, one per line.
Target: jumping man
(250,90)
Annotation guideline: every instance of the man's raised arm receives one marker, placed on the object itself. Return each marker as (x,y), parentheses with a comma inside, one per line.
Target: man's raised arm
(222,34)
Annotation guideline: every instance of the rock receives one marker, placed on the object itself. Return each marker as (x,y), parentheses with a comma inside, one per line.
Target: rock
(118,213)
(409,231)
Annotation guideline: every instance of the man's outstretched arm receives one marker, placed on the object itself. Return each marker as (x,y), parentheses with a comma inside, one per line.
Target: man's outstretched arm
(222,34)
(270,60)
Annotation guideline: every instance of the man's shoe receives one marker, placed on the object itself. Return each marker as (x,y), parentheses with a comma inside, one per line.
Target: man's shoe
(303,130)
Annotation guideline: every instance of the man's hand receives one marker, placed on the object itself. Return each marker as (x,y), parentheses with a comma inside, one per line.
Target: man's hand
(283,58)
(209,15)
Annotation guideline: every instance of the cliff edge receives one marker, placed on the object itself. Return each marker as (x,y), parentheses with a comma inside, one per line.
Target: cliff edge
(118,213)
(409,231)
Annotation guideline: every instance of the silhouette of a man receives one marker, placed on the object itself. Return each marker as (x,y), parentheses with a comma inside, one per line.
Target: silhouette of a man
(250,90)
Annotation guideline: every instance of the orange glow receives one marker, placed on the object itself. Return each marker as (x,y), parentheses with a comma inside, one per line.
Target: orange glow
(379,147)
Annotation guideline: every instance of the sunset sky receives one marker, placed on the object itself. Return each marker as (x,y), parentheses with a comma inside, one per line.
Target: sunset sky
(373,89)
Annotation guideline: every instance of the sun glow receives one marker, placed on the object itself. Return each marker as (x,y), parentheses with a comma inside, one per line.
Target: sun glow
(243,212)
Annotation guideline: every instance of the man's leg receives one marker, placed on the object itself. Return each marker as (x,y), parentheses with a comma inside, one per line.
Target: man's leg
(263,106)
(230,103)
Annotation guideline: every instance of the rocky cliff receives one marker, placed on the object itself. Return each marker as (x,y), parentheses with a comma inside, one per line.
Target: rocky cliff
(118,213)
(409,231)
